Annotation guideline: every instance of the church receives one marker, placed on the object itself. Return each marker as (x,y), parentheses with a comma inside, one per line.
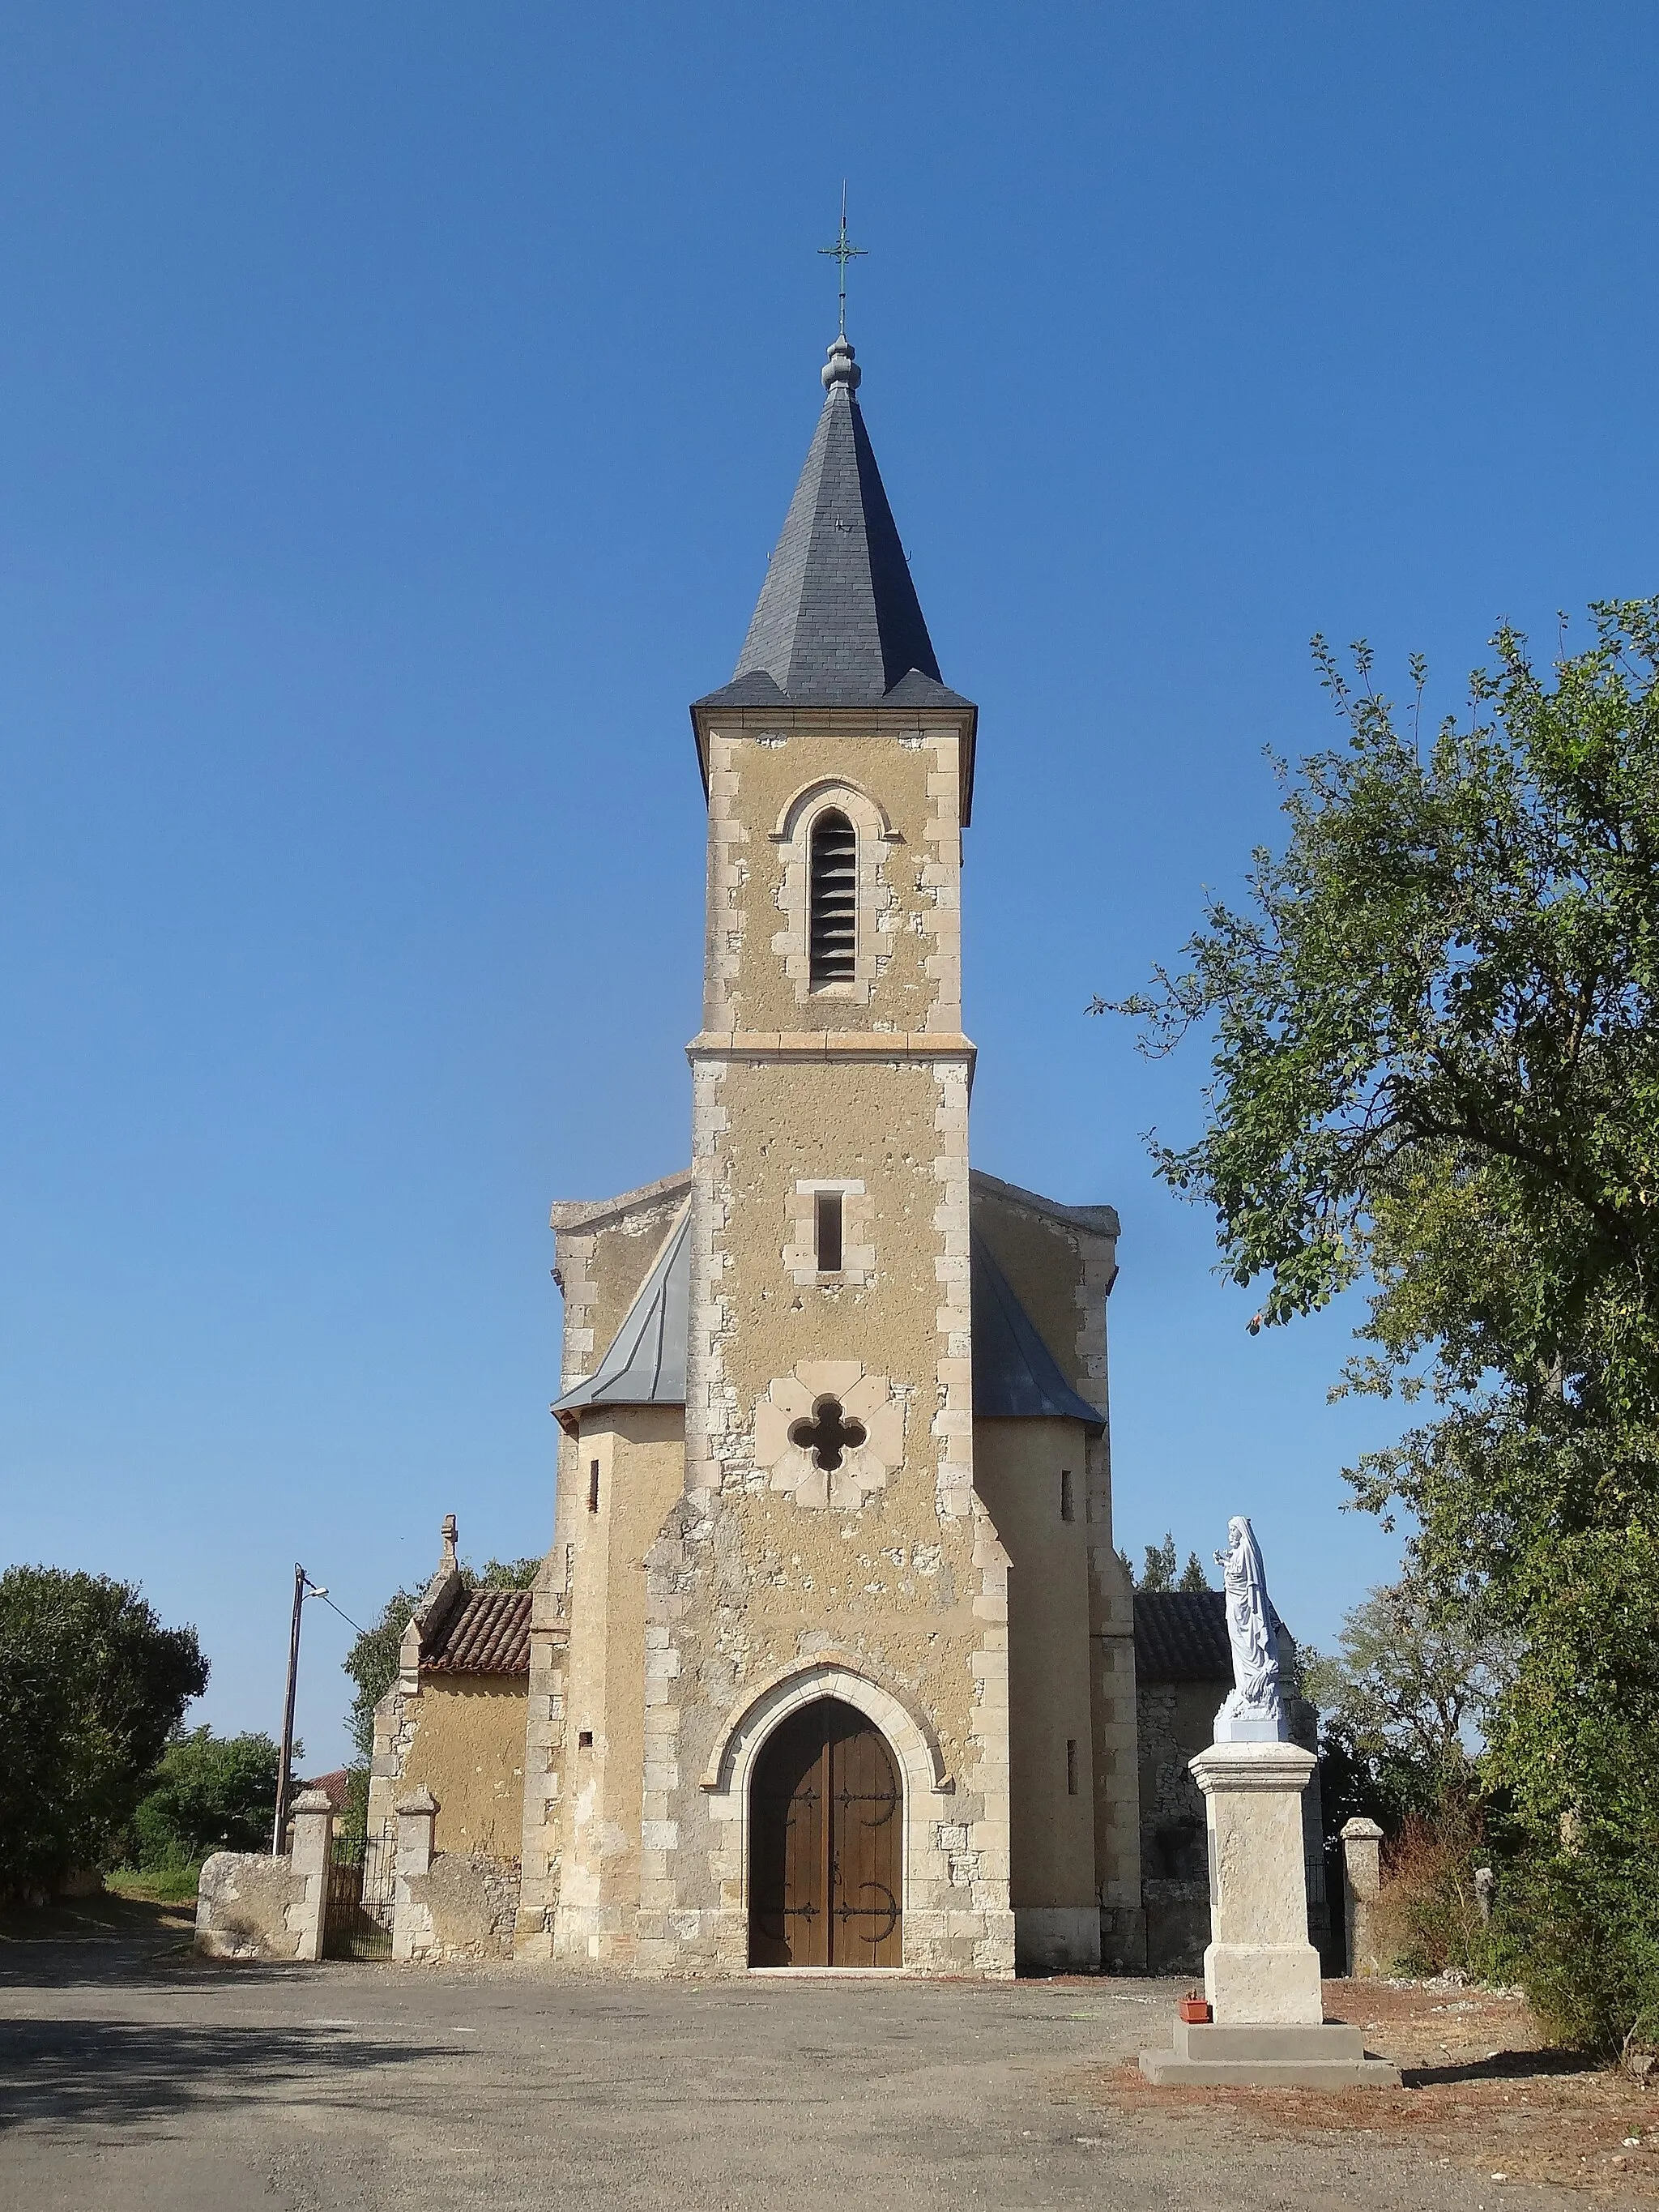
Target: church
(832,1662)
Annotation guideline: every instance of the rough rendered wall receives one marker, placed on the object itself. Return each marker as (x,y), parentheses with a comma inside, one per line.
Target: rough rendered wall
(1017,1470)
(468,1750)
(463,1906)
(248,1906)
(1061,1262)
(640,1452)
(899,1576)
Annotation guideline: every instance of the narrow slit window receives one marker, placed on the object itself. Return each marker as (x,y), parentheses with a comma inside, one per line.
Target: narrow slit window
(828,1227)
(1070,1766)
(1067,1496)
(833,932)
(584,1739)
(593,1486)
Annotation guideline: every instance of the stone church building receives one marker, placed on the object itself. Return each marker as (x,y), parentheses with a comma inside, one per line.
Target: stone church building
(832,1661)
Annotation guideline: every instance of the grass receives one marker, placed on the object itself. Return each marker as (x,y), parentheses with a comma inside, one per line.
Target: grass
(79,1919)
(174,1885)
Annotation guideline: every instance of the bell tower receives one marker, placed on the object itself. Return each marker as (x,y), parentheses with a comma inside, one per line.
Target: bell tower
(829,1543)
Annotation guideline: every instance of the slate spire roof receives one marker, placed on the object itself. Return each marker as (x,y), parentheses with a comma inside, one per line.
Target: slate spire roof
(838,622)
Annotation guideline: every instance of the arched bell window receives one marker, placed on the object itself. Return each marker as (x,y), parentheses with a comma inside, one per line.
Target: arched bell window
(833,936)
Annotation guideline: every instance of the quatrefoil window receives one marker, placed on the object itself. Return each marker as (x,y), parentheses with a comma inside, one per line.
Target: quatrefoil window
(827,1434)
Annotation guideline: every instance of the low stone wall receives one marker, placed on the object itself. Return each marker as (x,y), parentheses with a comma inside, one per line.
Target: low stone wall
(250,1907)
(1177,1925)
(462,1907)
(243,1904)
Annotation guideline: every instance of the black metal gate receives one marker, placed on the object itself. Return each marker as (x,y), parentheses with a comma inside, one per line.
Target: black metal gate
(362,1873)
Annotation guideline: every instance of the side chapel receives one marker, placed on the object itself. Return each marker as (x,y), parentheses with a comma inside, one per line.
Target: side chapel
(832,1661)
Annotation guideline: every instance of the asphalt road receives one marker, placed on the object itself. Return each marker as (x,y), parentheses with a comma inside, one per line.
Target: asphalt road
(135,2077)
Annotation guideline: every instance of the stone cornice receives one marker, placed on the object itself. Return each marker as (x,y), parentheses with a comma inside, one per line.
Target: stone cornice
(831,1044)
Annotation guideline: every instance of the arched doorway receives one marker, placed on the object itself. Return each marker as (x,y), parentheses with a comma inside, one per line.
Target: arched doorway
(826,1835)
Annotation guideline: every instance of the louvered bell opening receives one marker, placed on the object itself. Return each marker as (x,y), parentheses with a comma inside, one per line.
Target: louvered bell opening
(834,899)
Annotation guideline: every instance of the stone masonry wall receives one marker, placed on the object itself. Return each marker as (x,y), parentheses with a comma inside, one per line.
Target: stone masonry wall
(462,1907)
(247,1903)
(251,1907)
(895,1587)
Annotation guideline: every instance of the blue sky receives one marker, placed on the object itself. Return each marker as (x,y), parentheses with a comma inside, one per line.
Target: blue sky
(397,405)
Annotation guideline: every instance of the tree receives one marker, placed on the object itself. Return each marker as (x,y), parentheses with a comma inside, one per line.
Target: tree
(91,1687)
(1403,1701)
(1159,1573)
(208,1793)
(372,1661)
(1435,1069)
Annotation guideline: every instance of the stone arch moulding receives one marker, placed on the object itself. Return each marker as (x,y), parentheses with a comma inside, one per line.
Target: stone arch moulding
(831,1673)
(874,905)
(867,815)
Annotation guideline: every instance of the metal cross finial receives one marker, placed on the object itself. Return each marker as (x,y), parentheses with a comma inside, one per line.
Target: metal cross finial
(843,251)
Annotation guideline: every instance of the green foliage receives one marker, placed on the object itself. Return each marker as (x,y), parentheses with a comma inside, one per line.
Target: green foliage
(91,1687)
(352,1824)
(372,1664)
(210,1793)
(1159,1573)
(167,1885)
(1402,1700)
(372,1661)
(1586,1925)
(1436,1068)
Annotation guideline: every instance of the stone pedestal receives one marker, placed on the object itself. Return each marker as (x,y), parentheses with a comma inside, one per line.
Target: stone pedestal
(1260,1972)
(1260,1965)
(1329,2056)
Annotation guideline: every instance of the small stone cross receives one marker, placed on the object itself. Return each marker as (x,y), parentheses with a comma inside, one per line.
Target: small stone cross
(827,1434)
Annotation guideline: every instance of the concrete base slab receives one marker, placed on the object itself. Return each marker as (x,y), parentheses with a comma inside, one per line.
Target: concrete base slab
(1268,2056)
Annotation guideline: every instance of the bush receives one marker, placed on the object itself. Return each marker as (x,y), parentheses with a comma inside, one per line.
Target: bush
(1428,1917)
(209,1793)
(1586,1920)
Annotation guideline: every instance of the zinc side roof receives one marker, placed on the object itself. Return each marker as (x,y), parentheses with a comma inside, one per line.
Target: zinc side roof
(645,1365)
(1015,1374)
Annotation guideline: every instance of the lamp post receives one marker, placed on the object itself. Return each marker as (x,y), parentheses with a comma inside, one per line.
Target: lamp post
(303,1588)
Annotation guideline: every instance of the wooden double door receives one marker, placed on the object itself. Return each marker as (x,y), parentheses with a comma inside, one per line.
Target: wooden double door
(826,1828)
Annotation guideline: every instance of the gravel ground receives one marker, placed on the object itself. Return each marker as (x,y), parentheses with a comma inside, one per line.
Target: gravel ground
(133,2075)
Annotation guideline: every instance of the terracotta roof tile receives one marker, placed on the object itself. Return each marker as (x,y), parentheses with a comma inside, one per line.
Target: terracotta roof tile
(487,1633)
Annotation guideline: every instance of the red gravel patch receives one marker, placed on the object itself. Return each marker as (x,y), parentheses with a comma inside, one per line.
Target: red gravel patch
(1481,2092)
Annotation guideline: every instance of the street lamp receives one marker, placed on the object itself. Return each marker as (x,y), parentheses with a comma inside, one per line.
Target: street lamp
(303,1588)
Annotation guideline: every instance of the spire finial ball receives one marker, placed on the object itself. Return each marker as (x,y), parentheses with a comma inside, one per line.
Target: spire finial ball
(840,368)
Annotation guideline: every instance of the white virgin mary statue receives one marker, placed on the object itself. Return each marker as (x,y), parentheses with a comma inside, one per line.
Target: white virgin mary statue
(1255,1713)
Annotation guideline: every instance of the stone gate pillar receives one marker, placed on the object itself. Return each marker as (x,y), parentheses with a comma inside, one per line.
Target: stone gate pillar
(1362,1884)
(411,1919)
(313,1837)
